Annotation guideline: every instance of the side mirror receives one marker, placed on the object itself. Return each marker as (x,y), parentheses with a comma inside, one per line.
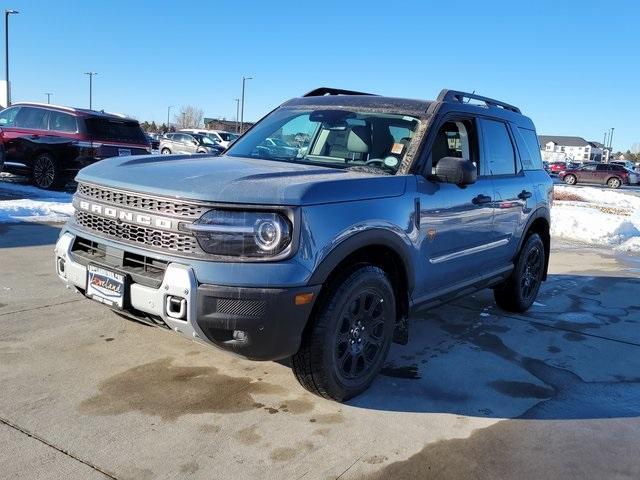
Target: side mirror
(460,171)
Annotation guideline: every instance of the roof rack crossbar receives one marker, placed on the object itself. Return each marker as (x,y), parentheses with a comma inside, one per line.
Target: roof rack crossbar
(456,96)
(322,91)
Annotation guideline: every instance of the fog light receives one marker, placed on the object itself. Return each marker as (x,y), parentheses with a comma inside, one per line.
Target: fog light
(240,336)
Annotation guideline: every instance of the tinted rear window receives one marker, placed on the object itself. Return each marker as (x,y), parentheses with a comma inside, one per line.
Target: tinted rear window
(115,130)
(529,148)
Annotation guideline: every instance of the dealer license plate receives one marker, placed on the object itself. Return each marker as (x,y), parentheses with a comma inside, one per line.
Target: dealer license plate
(105,286)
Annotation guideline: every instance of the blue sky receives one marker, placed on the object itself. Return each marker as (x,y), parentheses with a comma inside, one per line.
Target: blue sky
(571,66)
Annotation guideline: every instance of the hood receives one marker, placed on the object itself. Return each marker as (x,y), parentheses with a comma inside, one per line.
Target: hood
(227,179)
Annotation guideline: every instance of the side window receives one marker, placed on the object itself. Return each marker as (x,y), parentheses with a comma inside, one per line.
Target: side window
(591,167)
(8,116)
(454,139)
(603,168)
(529,148)
(62,122)
(498,149)
(29,117)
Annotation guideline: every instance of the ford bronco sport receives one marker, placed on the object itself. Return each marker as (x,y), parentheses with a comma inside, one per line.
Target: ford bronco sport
(319,251)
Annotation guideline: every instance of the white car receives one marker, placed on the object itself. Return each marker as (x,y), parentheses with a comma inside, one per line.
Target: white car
(219,136)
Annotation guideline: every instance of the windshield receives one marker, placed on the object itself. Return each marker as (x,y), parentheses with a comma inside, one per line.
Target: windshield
(204,139)
(331,138)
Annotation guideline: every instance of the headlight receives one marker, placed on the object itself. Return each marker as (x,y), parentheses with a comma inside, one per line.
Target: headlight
(242,234)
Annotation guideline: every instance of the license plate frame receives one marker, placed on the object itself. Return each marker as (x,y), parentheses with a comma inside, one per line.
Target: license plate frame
(106,285)
(124,152)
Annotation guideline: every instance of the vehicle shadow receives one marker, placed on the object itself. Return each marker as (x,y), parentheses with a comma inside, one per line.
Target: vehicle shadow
(574,355)
(28,234)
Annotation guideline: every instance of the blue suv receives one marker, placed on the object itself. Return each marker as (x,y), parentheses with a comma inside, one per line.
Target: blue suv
(320,250)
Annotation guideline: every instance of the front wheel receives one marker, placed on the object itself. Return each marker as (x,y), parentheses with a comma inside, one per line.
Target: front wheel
(165,151)
(570,180)
(46,172)
(614,182)
(349,338)
(520,290)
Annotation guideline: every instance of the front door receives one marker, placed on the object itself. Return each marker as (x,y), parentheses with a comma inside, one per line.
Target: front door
(455,222)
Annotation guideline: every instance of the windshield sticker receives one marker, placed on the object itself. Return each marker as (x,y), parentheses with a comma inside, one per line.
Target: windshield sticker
(397,148)
(391,161)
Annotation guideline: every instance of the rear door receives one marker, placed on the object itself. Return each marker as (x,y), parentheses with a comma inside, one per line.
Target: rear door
(511,190)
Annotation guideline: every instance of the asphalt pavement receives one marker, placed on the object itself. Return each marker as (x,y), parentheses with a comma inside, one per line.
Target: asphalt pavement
(477,393)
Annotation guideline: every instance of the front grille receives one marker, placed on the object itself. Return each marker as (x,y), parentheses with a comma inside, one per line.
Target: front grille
(149,237)
(142,269)
(141,202)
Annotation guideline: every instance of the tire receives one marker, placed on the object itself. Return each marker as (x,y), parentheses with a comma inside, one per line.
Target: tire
(165,151)
(519,291)
(570,180)
(349,337)
(46,173)
(614,182)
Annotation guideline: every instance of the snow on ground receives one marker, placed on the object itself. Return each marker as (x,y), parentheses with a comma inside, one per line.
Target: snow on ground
(596,216)
(25,203)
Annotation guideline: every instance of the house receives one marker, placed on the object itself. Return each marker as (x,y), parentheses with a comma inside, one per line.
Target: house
(557,148)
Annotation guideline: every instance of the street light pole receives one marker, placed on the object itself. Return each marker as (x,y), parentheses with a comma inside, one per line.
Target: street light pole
(48,97)
(91,74)
(611,138)
(237,100)
(168,112)
(244,79)
(6,51)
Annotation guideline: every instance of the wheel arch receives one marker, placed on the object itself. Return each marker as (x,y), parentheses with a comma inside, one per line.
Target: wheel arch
(378,247)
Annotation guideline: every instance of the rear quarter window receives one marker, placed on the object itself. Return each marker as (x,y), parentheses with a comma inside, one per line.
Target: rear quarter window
(529,148)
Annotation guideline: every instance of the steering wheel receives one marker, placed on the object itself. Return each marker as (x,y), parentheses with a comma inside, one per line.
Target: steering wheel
(375,161)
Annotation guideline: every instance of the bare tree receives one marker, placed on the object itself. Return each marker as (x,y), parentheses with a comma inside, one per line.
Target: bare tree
(188,117)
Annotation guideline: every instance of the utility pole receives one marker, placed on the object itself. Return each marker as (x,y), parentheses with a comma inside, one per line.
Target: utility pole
(6,51)
(244,79)
(237,100)
(611,138)
(91,74)
(48,97)
(168,111)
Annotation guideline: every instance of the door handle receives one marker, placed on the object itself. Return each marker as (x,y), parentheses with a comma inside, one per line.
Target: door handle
(481,199)
(523,195)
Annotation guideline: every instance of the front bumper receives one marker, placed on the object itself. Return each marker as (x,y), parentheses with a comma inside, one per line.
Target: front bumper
(256,323)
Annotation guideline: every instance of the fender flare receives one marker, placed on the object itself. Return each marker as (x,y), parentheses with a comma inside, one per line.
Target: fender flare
(367,238)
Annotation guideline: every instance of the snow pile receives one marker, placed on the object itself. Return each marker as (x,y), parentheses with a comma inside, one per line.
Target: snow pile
(596,216)
(20,202)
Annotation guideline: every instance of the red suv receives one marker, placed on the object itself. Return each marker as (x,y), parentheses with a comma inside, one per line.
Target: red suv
(51,143)
(604,173)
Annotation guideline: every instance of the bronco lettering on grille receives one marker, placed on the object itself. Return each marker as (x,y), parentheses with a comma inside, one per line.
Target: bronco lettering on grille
(124,215)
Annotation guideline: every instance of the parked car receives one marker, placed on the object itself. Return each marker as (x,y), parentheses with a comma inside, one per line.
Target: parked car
(395,207)
(608,174)
(223,138)
(276,147)
(154,140)
(628,164)
(188,143)
(557,167)
(51,143)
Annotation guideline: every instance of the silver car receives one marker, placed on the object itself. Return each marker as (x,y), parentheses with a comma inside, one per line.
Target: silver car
(188,143)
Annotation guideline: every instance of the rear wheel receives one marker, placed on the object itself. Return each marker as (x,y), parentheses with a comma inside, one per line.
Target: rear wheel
(570,180)
(350,336)
(614,182)
(46,172)
(520,290)
(165,151)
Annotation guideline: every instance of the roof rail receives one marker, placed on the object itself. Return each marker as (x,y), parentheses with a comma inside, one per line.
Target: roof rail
(456,96)
(48,105)
(322,91)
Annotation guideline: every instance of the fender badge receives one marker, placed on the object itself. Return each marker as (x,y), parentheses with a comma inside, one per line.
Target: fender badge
(431,234)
